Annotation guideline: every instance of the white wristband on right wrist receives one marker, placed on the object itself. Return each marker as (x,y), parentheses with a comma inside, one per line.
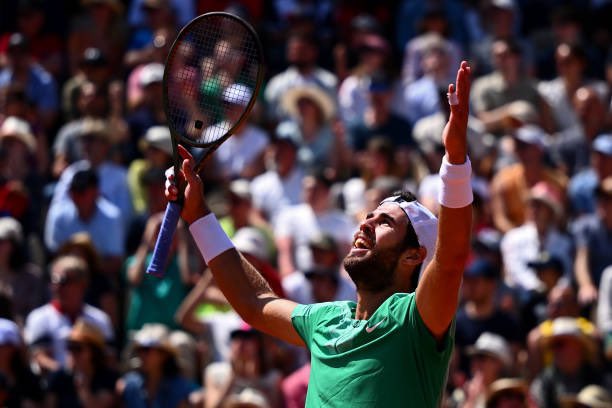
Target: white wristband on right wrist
(456,188)
(210,237)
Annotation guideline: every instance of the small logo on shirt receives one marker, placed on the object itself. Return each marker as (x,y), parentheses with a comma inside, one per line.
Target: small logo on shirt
(372,328)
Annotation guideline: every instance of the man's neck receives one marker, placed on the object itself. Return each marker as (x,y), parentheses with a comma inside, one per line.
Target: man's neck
(368,302)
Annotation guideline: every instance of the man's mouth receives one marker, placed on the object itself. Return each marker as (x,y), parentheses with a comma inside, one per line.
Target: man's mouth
(362,242)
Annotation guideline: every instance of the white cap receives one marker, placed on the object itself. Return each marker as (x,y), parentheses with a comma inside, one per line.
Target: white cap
(504,4)
(11,229)
(159,137)
(237,94)
(425,224)
(251,241)
(492,345)
(532,134)
(14,127)
(9,333)
(151,73)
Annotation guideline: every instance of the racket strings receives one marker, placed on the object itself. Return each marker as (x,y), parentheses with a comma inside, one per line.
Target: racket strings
(212,74)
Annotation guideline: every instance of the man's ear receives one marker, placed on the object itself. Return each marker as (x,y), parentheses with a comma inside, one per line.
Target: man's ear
(413,256)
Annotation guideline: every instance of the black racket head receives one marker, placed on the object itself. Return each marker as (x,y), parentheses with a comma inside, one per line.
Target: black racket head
(212,77)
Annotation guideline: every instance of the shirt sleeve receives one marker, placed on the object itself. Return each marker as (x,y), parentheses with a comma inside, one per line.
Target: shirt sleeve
(306,318)
(425,341)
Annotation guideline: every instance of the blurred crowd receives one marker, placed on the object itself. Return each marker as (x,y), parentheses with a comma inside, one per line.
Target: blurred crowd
(352,108)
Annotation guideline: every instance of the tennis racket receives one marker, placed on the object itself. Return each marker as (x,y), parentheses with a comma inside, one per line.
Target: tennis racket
(212,76)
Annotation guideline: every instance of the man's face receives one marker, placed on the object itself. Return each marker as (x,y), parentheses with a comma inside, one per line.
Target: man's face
(372,261)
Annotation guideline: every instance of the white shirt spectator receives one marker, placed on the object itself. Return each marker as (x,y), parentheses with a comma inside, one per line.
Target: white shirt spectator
(271,194)
(46,326)
(302,224)
(113,186)
(521,245)
(240,150)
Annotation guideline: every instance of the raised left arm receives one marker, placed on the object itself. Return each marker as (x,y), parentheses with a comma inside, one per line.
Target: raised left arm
(438,291)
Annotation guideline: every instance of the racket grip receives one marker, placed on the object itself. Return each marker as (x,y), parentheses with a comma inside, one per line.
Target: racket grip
(164,239)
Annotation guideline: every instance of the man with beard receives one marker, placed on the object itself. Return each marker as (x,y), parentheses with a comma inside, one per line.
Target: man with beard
(392,346)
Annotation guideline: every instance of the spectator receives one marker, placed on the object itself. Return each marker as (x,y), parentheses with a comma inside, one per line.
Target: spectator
(93,103)
(150,111)
(324,281)
(490,360)
(96,143)
(421,97)
(379,119)
(20,182)
(101,26)
(148,291)
(40,86)
(479,312)
(146,17)
(302,53)
(522,244)
(562,302)
(93,67)
(46,47)
(242,155)
(493,93)
(509,392)
(501,20)
(353,91)
(87,379)
(22,386)
(20,279)
(435,22)
(47,327)
(241,214)
(156,147)
(574,355)
(582,185)
(572,146)
(87,211)
(156,51)
(313,112)
(245,370)
(157,380)
(570,61)
(102,292)
(297,224)
(593,243)
(550,271)
(281,185)
(510,186)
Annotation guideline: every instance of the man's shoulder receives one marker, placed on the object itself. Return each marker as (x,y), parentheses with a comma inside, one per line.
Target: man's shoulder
(42,313)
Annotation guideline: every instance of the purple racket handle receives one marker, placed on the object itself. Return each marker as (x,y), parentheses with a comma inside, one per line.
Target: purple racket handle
(164,239)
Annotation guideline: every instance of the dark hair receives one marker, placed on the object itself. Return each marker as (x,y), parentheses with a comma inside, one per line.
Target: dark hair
(411,240)
(84,179)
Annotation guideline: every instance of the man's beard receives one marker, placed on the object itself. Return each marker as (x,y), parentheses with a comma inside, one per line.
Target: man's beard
(374,272)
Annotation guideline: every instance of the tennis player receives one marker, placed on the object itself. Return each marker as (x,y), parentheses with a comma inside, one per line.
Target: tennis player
(392,347)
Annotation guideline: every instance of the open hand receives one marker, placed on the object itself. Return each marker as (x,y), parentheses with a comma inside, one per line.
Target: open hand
(455,131)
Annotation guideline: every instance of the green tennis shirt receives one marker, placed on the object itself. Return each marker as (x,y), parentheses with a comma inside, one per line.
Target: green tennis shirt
(390,360)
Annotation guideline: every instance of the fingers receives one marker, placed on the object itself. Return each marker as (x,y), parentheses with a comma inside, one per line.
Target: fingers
(463,82)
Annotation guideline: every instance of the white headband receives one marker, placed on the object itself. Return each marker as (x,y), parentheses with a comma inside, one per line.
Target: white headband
(425,224)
